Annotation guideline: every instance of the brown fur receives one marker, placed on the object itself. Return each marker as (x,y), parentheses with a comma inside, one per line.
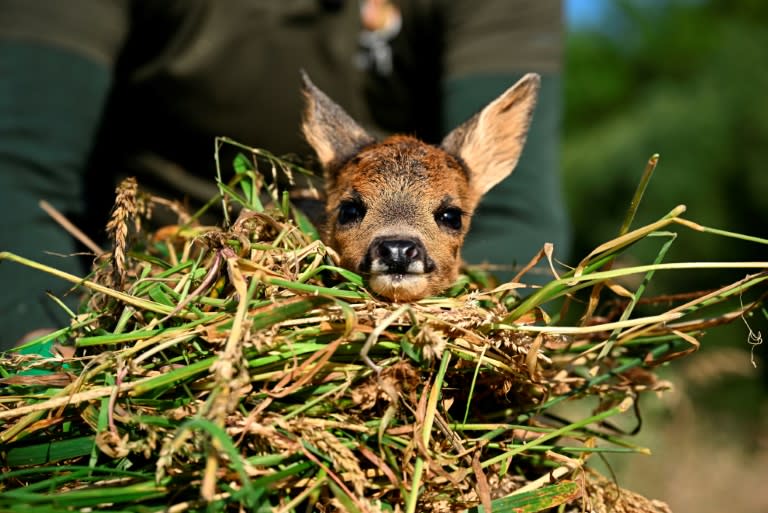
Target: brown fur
(404,186)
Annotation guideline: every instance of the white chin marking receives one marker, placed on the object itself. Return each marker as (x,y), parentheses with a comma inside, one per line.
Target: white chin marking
(399,287)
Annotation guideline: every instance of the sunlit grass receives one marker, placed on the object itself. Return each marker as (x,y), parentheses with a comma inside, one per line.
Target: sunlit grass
(220,369)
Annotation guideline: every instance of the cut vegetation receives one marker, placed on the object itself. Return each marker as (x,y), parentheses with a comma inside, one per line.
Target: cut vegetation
(220,369)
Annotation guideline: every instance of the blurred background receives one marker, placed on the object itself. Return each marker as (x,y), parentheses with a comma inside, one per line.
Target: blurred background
(686,79)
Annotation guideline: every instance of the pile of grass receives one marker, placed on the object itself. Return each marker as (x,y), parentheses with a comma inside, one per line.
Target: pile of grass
(239,369)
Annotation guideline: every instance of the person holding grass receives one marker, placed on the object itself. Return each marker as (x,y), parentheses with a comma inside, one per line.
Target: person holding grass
(95,90)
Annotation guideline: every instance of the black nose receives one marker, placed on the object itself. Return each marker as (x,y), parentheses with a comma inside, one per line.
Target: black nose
(398,254)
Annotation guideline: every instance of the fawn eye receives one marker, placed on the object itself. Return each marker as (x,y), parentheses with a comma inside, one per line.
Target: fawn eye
(350,212)
(449,217)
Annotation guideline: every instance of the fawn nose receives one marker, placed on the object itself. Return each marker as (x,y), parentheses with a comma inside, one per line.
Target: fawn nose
(399,256)
(398,253)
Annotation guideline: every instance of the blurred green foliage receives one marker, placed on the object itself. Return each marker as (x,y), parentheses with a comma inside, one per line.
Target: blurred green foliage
(685,79)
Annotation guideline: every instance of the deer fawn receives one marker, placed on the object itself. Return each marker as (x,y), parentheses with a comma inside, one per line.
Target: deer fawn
(397,210)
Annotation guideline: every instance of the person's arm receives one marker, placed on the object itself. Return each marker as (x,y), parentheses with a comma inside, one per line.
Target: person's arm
(56,63)
(489,46)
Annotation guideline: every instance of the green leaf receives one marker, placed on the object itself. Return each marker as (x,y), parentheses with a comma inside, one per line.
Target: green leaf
(159,295)
(84,498)
(40,454)
(289,310)
(241,164)
(536,500)
(304,224)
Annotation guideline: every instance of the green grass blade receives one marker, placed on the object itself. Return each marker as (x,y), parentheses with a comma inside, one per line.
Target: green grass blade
(534,501)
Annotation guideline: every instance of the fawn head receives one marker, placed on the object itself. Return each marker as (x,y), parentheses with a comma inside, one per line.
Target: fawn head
(397,210)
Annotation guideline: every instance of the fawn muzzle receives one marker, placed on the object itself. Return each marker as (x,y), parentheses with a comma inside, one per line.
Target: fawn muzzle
(397,257)
(398,267)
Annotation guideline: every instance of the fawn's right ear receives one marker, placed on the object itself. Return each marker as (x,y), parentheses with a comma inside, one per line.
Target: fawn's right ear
(331,132)
(491,142)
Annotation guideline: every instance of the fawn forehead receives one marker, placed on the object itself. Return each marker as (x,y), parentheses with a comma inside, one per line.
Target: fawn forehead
(402,167)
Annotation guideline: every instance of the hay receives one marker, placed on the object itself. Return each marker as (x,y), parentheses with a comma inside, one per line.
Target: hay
(220,369)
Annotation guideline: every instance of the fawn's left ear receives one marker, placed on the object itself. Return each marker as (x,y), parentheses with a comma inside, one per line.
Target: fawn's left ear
(331,132)
(490,142)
